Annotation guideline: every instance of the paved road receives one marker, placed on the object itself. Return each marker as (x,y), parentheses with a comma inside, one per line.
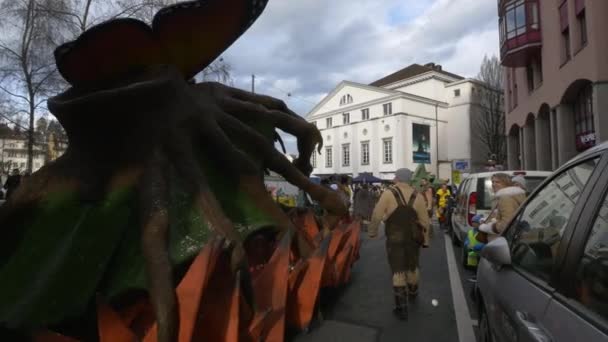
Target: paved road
(361,311)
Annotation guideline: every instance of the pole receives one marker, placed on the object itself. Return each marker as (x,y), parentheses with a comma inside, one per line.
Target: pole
(253,83)
(437,140)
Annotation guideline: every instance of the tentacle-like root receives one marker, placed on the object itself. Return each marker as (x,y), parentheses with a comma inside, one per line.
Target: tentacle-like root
(155,224)
(277,162)
(249,108)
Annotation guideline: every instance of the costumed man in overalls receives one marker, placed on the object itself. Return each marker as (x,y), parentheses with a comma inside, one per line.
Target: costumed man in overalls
(404,212)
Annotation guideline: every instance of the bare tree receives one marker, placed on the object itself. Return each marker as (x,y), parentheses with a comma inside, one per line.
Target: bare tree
(27,67)
(490,125)
(32,29)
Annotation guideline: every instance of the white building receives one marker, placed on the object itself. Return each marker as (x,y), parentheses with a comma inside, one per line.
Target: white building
(13,154)
(377,127)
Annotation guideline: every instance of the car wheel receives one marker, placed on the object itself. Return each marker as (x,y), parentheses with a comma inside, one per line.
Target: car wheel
(485,334)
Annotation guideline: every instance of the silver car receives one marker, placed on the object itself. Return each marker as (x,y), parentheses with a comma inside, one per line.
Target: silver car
(546,278)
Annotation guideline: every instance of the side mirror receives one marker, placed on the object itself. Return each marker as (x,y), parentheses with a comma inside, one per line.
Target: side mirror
(497,252)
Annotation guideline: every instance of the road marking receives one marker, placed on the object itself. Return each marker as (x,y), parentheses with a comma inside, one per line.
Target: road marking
(461,309)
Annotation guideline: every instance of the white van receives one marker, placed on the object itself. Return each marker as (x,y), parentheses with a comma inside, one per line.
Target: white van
(475,195)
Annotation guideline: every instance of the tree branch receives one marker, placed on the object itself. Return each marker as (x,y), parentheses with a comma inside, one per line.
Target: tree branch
(13,94)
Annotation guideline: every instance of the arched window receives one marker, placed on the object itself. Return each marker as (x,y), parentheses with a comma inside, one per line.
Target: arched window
(583,118)
(346,99)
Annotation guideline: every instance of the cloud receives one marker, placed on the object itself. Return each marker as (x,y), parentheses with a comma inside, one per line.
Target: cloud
(305,48)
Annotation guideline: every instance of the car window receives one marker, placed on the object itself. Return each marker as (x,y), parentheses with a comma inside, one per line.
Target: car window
(536,234)
(592,274)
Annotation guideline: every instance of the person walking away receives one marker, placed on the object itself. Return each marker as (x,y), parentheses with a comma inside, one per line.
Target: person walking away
(443,194)
(405,215)
(427,194)
(363,206)
(345,188)
(12,182)
(507,200)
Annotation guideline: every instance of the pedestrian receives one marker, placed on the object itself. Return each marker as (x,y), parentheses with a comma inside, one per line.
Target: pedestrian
(405,215)
(443,195)
(427,193)
(12,182)
(507,200)
(363,205)
(345,188)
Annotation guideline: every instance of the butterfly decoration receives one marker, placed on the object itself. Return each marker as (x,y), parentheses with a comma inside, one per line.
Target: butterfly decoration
(188,35)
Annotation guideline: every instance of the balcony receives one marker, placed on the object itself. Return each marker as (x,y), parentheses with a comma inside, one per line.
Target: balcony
(520,33)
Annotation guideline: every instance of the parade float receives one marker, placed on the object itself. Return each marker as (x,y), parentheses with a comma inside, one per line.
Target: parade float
(160,228)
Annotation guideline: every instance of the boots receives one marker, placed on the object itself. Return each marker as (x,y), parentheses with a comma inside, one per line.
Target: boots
(400,309)
(412,291)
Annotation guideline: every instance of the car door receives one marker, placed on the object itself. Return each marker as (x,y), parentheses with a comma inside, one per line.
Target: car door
(460,215)
(516,297)
(582,300)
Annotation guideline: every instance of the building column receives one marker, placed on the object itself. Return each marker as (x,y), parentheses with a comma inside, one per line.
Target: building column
(522,150)
(543,144)
(554,140)
(529,147)
(600,106)
(565,133)
(513,152)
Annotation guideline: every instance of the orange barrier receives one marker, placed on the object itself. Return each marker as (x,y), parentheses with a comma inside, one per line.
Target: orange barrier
(212,303)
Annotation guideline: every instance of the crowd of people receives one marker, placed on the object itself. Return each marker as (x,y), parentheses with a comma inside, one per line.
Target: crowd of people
(407,210)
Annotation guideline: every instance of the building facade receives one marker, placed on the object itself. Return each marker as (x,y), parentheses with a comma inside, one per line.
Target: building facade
(417,115)
(555,59)
(13,149)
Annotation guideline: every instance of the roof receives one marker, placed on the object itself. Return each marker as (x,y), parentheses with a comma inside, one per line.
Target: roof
(412,71)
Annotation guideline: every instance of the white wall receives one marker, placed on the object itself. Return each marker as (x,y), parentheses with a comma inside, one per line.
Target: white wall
(359,95)
(431,88)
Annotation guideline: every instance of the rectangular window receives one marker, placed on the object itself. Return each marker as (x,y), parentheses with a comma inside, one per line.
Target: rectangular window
(387,147)
(387,108)
(345,154)
(566,45)
(364,114)
(365,153)
(345,118)
(582,22)
(509,89)
(563,16)
(514,80)
(530,76)
(328,157)
(456,92)
(328,123)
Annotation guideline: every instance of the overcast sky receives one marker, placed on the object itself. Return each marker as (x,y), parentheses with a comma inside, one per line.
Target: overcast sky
(306,47)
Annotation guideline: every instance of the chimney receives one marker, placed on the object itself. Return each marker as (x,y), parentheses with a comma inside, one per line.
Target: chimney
(437,67)
(430,65)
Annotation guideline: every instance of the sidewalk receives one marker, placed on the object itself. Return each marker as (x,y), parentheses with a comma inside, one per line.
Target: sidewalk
(362,311)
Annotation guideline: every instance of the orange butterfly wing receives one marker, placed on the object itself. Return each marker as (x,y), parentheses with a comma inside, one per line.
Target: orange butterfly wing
(107,51)
(195,33)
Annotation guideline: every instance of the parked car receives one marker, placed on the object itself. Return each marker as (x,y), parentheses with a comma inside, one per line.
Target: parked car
(546,277)
(474,196)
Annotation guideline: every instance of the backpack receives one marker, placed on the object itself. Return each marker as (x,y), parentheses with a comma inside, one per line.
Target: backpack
(404,219)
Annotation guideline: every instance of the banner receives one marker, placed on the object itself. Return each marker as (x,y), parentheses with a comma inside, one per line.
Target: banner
(421,143)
